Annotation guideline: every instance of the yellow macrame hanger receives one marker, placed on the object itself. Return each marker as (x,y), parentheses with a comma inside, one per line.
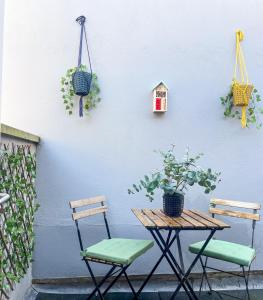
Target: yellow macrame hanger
(241,65)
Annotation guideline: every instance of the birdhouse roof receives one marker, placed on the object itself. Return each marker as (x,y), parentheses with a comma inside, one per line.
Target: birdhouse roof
(160,83)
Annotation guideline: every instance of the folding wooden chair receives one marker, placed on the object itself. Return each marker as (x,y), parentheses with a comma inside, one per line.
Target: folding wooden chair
(228,251)
(118,253)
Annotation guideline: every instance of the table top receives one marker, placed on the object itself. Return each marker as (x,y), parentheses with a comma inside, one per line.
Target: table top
(189,220)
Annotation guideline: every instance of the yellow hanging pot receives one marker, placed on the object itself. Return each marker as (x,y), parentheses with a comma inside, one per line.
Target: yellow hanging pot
(241,89)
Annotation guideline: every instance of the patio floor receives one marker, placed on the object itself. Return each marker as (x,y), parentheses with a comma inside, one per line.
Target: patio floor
(255,295)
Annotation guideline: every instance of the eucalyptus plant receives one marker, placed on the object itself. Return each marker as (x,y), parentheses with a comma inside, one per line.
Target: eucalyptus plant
(253,110)
(68,96)
(177,176)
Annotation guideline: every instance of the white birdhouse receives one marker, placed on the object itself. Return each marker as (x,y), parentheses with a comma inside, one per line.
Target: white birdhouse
(160,97)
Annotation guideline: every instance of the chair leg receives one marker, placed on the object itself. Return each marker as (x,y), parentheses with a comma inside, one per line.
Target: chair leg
(202,281)
(97,286)
(205,273)
(130,284)
(114,280)
(246,282)
(94,282)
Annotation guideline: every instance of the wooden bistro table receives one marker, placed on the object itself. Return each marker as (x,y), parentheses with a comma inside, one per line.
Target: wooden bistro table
(158,223)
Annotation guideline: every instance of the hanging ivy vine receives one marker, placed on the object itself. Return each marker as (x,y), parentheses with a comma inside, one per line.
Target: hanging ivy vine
(254,109)
(68,96)
(17,177)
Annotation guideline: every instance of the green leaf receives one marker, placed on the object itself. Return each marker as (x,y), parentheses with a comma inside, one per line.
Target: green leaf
(135,187)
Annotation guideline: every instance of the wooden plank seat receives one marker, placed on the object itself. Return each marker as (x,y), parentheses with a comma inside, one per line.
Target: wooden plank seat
(100,261)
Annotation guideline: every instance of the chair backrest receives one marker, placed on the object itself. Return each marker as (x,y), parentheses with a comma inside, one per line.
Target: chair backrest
(90,211)
(253,216)
(84,213)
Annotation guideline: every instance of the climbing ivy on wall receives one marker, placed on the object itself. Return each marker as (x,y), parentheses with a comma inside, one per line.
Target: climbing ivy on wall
(17,177)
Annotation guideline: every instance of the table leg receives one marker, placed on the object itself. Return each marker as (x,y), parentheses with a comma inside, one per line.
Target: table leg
(163,246)
(169,244)
(193,264)
(180,253)
(190,292)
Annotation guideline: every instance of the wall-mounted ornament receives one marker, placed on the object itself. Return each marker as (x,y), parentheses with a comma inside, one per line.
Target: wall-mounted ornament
(242,93)
(160,92)
(80,80)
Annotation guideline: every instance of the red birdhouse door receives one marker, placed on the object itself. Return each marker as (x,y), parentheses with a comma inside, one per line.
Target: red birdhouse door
(158,103)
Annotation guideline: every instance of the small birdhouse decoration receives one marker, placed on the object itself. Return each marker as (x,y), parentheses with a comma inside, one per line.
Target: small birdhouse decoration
(160,98)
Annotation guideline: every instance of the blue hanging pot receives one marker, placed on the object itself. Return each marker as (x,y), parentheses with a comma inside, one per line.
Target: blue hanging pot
(81,81)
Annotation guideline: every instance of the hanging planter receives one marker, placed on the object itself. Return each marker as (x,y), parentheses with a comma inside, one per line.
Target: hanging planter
(242,93)
(80,81)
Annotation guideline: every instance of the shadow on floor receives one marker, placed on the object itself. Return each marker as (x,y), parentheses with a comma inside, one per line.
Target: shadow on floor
(255,295)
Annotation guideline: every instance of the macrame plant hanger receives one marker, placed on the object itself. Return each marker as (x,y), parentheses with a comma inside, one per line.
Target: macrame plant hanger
(82,79)
(242,88)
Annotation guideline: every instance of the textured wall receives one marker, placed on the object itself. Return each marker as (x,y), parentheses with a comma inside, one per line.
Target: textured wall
(134,44)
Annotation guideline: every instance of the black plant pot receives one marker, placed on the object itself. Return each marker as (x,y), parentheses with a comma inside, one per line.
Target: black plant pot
(81,83)
(173,205)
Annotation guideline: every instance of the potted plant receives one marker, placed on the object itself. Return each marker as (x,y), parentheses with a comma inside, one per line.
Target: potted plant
(174,179)
(243,100)
(90,101)
(254,109)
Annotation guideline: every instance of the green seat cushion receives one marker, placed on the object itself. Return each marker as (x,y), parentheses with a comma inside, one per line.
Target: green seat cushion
(227,251)
(122,251)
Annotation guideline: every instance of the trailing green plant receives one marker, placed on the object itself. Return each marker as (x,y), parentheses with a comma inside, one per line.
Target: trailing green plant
(177,175)
(17,177)
(68,96)
(254,108)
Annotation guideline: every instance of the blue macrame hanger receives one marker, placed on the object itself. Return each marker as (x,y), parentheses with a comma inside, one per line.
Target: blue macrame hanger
(81,20)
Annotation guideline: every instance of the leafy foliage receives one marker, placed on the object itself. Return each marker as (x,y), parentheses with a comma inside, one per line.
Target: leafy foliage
(177,176)
(17,176)
(68,96)
(253,109)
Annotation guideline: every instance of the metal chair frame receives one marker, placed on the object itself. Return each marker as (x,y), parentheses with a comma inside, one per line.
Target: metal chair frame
(243,271)
(116,268)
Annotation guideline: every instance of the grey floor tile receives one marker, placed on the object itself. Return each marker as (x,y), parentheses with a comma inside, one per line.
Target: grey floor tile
(255,295)
(167,295)
(111,296)
(48,296)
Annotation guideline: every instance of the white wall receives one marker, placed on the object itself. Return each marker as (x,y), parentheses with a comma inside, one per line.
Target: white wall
(134,44)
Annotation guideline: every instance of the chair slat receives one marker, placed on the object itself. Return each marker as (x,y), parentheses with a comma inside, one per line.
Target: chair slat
(101,261)
(88,201)
(233,203)
(89,212)
(232,213)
